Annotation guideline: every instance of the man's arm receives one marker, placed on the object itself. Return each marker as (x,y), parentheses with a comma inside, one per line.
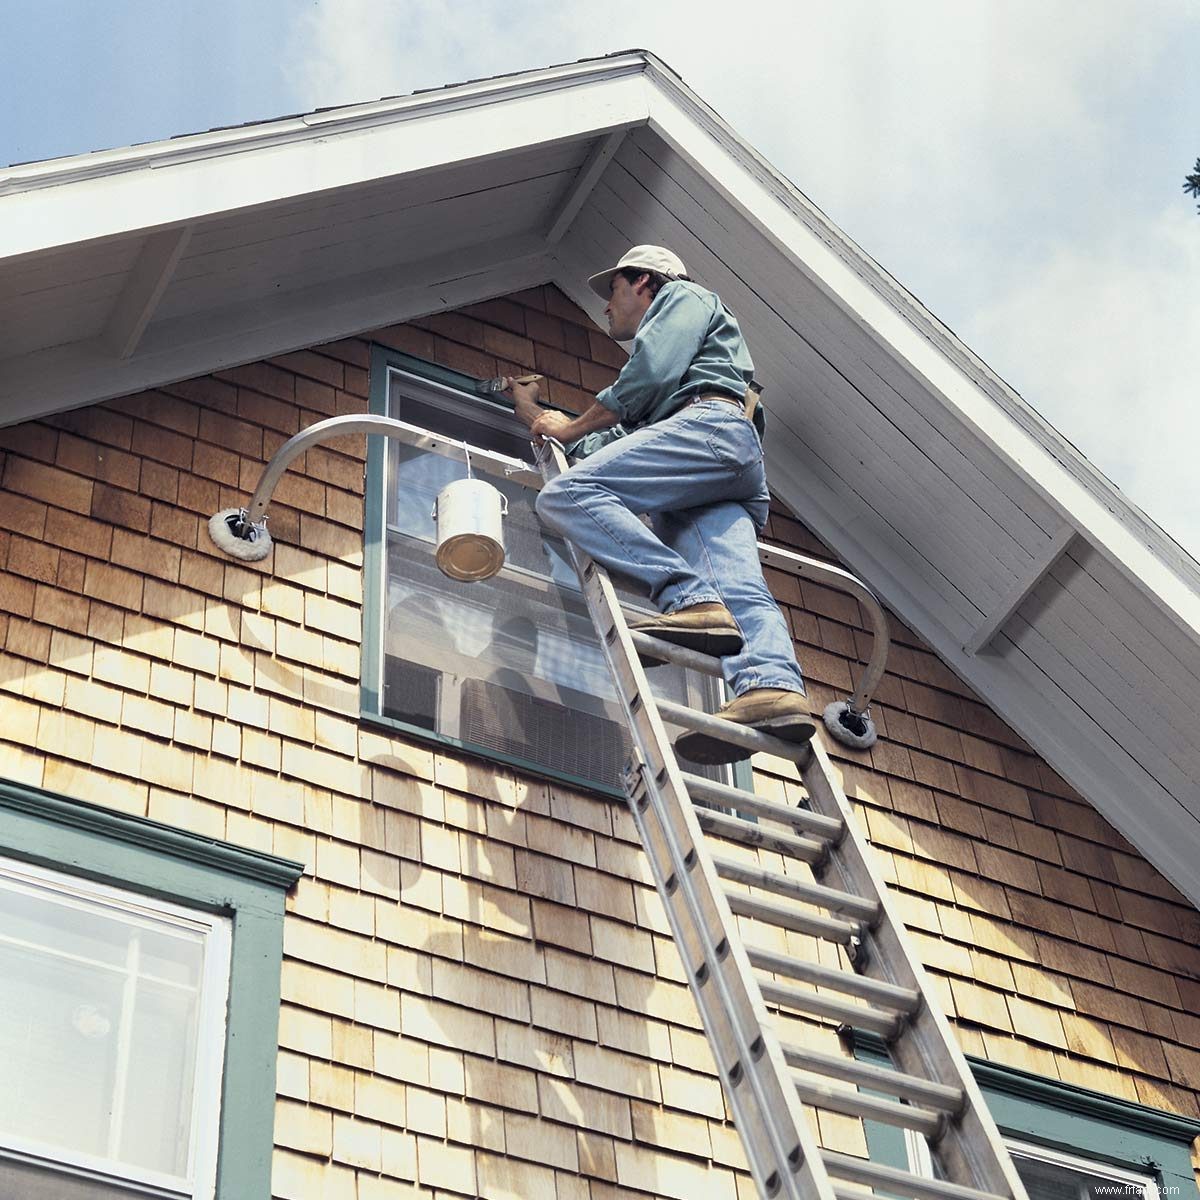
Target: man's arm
(570,429)
(547,423)
(525,401)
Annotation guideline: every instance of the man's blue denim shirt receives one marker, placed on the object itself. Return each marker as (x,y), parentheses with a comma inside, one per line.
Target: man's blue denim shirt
(686,343)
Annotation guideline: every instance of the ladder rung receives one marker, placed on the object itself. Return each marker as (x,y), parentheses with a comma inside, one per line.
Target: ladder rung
(833,929)
(747,833)
(653,647)
(889,995)
(876,1020)
(802,819)
(881,1079)
(797,889)
(890,1179)
(732,733)
(871,1108)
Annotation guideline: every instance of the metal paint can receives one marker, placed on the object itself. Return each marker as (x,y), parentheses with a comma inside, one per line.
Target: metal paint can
(470,539)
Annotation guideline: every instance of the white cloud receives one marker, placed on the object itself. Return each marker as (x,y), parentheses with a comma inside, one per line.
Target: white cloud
(343,51)
(1100,339)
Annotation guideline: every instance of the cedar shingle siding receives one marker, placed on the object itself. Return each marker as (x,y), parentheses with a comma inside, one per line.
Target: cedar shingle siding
(480,995)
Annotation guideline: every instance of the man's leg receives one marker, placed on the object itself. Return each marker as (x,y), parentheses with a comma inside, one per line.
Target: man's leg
(721,543)
(721,540)
(671,465)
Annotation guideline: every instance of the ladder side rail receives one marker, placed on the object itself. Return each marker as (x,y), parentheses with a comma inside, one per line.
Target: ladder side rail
(759,1106)
(757,1082)
(971,1149)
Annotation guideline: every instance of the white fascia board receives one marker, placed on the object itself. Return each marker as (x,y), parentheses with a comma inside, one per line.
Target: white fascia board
(343,119)
(1084,754)
(781,214)
(176,182)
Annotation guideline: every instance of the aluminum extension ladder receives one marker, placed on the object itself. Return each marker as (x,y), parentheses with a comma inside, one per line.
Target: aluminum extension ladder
(930,1091)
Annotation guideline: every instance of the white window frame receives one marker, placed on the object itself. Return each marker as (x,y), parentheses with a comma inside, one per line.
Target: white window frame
(200,1181)
(1129,1182)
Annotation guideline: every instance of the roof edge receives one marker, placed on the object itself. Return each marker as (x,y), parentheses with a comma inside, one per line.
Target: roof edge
(1167,552)
(214,144)
(280,131)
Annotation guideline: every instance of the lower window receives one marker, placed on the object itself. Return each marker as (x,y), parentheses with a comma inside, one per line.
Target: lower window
(112,1021)
(1052,1175)
(139,1005)
(1067,1142)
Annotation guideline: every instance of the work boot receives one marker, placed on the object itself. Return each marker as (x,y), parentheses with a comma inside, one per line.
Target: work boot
(708,628)
(775,711)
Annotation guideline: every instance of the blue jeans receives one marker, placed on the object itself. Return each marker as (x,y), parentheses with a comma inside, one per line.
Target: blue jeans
(699,476)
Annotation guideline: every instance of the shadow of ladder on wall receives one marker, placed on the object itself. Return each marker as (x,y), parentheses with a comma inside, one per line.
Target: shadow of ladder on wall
(930,1090)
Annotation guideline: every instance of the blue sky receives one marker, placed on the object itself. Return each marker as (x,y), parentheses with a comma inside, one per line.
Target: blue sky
(1015,163)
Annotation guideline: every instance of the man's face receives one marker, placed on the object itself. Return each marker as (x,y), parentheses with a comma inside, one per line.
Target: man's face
(627,304)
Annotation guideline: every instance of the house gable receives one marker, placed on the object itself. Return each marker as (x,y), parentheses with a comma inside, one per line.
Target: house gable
(1053,597)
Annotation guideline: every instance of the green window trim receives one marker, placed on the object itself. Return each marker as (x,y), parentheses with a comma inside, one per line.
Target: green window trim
(141,855)
(1061,1116)
(375,574)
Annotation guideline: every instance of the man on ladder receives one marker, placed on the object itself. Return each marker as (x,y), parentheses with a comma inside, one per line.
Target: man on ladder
(674,438)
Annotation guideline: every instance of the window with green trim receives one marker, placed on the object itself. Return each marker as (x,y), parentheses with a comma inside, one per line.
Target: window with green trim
(139,1005)
(112,1008)
(1059,1175)
(1067,1142)
(508,667)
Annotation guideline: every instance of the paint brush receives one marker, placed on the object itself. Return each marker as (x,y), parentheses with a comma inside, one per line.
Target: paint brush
(489,387)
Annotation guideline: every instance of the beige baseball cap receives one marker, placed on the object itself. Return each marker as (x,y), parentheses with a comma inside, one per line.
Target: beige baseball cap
(644,258)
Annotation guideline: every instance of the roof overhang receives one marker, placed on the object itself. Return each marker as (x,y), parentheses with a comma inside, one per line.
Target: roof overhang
(1067,610)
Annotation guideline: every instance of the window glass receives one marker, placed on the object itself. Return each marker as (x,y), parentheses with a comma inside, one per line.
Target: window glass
(512,664)
(107,1002)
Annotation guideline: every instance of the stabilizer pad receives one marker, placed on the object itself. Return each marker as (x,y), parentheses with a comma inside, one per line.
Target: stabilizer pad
(221,529)
(851,729)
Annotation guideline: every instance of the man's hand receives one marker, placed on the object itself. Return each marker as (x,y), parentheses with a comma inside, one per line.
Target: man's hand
(551,424)
(525,400)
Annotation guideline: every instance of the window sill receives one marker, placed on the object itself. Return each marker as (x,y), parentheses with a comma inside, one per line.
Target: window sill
(490,757)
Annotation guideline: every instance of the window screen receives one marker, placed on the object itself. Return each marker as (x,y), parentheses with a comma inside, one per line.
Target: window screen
(509,665)
(1050,1175)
